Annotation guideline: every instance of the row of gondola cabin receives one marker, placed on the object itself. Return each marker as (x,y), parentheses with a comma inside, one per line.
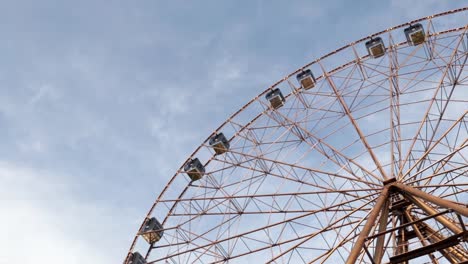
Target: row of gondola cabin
(375,47)
(305,78)
(194,168)
(414,36)
(152,230)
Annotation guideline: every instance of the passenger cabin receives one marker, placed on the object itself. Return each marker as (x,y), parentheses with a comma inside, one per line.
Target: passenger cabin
(276,98)
(152,231)
(137,258)
(415,34)
(375,47)
(219,143)
(306,79)
(194,169)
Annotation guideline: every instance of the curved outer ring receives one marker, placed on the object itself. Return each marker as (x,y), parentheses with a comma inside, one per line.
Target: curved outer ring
(316,61)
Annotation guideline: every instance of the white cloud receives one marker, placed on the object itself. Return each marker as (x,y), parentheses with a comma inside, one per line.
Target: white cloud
(31,234)
(44,222)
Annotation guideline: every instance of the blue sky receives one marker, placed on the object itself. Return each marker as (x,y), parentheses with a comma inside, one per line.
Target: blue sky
(101,102)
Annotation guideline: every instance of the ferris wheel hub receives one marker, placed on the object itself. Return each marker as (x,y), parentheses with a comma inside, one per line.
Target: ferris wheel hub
(389,181)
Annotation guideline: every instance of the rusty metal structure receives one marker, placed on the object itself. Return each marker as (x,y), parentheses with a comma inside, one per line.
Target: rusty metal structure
(368,164)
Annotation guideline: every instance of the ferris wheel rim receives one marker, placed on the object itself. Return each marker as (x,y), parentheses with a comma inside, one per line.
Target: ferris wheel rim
(317,61)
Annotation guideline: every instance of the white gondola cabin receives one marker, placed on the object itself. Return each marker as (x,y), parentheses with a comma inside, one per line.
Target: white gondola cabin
(276,98)
(219,143)
(306,79)
(415,34)
(375,47)
(195,169)
(152,231)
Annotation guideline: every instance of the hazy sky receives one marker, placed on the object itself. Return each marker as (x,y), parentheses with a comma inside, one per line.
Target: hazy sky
(101,101)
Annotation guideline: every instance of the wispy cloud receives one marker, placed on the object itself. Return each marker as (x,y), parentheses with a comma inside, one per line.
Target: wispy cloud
(48,220)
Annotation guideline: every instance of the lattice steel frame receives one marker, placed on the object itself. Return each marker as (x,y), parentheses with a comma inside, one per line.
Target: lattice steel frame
(369,166)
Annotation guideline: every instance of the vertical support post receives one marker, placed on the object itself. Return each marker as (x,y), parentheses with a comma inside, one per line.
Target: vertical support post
(359,245)
(379,246)
(402,239)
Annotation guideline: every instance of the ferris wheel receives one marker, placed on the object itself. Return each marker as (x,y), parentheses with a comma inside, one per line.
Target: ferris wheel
(359,156)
